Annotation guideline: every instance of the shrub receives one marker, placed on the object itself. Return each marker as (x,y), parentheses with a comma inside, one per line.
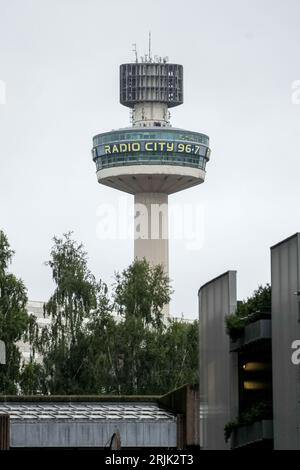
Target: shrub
(259,411)
(234,325)
(255,307)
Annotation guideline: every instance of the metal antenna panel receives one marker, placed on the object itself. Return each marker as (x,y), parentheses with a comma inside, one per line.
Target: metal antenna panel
(156,82)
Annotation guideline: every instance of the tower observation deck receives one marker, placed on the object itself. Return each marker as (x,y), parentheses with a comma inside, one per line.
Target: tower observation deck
(151,159)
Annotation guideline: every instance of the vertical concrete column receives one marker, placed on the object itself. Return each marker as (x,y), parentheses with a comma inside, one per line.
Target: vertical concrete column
(218,367)
(285,277)
(151,229)
(149,113)
(4,432)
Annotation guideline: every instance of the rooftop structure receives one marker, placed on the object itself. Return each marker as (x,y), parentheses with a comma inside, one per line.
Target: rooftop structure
(168,421)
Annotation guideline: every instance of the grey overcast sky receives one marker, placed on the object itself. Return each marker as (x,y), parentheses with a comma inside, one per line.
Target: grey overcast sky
(60,62)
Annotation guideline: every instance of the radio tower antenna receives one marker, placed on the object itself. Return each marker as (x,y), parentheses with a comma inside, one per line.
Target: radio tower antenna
(150,46)
(135,51)
(143,164)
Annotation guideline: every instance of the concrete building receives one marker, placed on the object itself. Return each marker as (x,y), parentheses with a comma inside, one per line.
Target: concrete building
(2,353)
(35,308)
(151,160)
(250,381)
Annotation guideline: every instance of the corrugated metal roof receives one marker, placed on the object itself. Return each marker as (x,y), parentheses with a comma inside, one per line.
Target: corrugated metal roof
(86,411)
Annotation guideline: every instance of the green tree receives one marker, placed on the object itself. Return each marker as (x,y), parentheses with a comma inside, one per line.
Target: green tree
(249,310)
(258,302)
(140,352)
(31,378)
(14,319)
(90,364)
(169,357)
(88,350)
(141,291)
(62,342)
(102,344)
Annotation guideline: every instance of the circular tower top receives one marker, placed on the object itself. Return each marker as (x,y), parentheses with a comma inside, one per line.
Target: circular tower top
(154,82)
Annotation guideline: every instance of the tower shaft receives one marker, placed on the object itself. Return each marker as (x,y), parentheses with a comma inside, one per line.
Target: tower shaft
(151,231)
(151,240)
(150,114)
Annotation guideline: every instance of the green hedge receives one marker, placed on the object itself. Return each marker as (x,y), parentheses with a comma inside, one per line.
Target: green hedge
(257,412)
(256,307)
(79,398)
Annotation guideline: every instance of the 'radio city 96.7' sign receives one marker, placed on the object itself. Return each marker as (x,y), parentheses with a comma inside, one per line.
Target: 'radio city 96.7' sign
(153,147)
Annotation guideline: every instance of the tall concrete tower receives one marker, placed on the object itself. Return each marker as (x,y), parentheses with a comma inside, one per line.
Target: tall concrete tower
(151,159)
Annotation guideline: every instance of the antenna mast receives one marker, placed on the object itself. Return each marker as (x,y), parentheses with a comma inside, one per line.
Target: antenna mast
(149,46)
(135,52)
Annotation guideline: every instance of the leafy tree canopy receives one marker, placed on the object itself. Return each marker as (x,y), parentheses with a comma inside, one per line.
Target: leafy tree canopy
(141,291)
(96,343)
(14,319)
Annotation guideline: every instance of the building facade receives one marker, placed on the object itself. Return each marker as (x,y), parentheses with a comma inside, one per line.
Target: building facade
(250,378)
(35,308)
